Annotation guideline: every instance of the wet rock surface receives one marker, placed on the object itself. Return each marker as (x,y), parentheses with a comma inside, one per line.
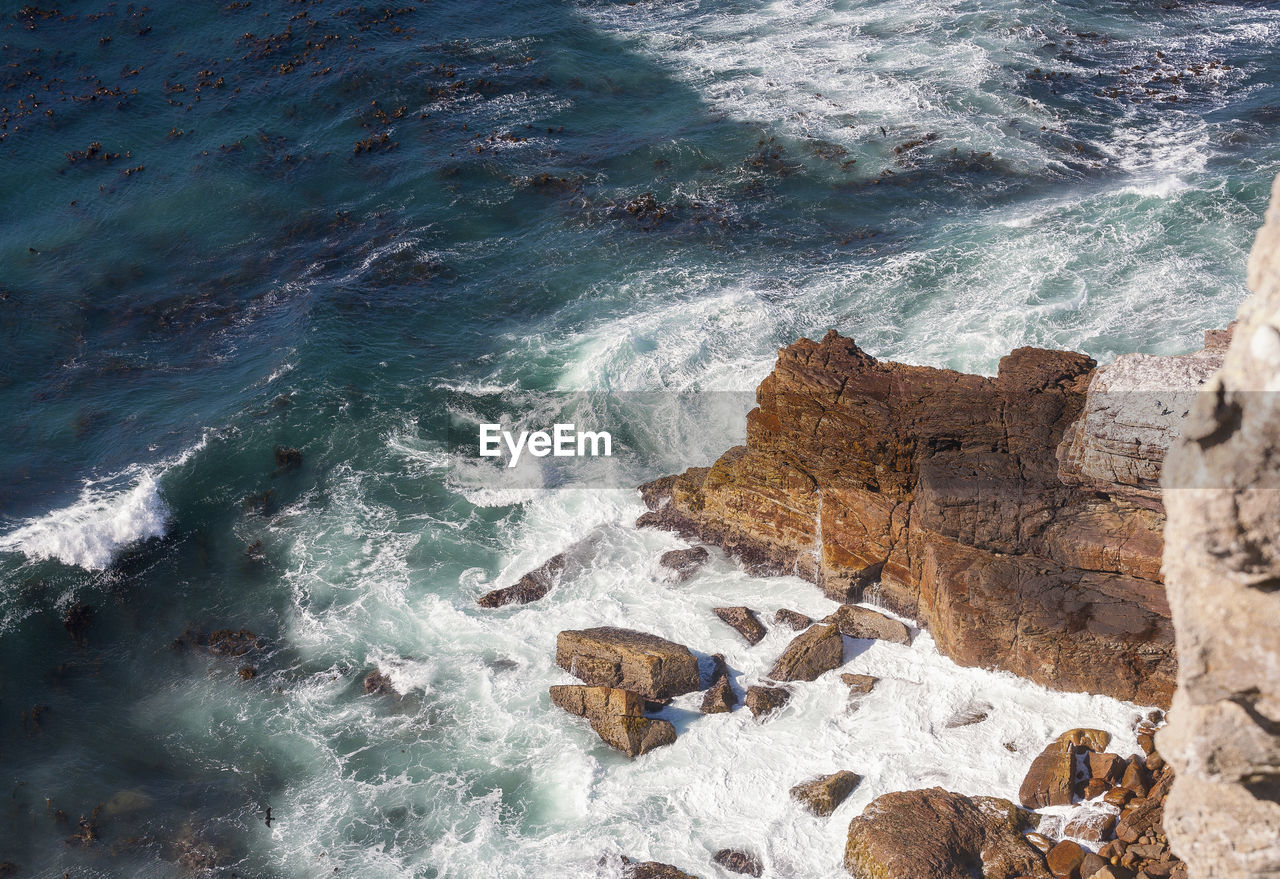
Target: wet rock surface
(617,716)
(538,582)
(818,649)
(862,622)
(744,621)
(626,659)
(736,861)
(685,562)
(947,491)
(823,795)
(941,835)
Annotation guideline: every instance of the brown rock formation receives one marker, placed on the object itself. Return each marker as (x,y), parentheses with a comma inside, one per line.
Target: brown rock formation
(538,582)
(1222,561)
(685,562)
(1051,780)
(652,870)
(859,685)
(941,835)
(762,701)
(617,716)
(744,621)
(793,619)
(624,659)
(823,795)
(817,649)
(739,862)
(947,489)
(862,622)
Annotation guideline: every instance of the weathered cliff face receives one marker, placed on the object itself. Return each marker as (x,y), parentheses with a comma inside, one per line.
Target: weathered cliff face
(1223,568)
(1017,517)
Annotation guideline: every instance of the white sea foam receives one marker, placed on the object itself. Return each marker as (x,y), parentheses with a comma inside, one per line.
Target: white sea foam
(110,515)
(100,524)
(497,782)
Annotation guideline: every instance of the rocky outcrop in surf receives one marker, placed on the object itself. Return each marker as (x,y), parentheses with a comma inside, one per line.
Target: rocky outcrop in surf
(1222,560)
(1016,516)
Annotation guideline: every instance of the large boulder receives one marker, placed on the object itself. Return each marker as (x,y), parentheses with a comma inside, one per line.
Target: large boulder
(945,492)
(818,649)
(624,659)
(617,716)
(1222,560)
(941,835)
(1052,779)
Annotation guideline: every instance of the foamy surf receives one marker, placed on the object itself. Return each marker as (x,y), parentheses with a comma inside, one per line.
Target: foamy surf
(94,530)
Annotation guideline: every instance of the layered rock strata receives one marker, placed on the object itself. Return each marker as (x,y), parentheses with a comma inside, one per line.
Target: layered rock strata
(1222,561)
(1015,516)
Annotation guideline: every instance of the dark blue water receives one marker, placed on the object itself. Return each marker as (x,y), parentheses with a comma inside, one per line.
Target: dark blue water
(240,226)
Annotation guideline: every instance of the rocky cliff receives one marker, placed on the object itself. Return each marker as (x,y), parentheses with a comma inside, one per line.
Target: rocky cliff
(1018,516)
(1223,568)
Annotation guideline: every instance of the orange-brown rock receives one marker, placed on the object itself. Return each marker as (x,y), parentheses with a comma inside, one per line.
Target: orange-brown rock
(946,489)
(617,716)
(823,795)
(862,622)
(941,835)
(1051,780)
(762,701)
(624,659)
(1065,859)
(817,649)
(744,620)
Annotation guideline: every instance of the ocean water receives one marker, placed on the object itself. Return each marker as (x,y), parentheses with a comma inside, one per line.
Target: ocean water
(354,230)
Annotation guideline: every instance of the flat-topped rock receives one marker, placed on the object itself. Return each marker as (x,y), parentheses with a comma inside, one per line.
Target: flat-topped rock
(629,660)
(862,622)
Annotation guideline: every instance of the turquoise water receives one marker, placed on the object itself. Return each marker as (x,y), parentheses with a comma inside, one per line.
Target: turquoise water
(923,176)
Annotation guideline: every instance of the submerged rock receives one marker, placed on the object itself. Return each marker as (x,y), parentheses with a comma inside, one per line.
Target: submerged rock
(538,582)
(625,659)
(818,649)
(859,685)
(375,682)
(617,716)
(793,619)
(744,621)
(685,562)
(823,795)
(222,642)
(974,712)
(77,621)
(736,861)
(941,835)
